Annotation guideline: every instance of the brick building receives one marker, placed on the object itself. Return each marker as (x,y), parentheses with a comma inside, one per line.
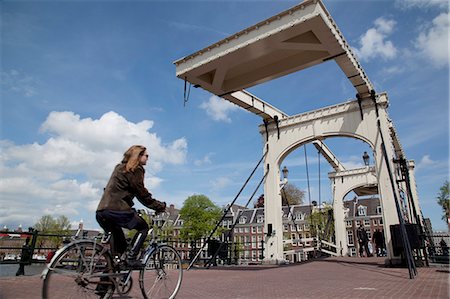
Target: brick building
(366,211)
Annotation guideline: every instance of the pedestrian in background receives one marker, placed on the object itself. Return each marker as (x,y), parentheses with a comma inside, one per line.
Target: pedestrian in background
(25,258)
(363,241)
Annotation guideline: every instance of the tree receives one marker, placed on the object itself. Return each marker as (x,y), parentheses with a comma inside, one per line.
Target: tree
(292,195)
(443,200)
(321,223)
(259,202)
(50,225)
(45,224)
(200,215)
(162,230)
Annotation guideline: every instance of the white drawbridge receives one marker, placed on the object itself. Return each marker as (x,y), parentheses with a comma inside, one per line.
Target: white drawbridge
(295,39)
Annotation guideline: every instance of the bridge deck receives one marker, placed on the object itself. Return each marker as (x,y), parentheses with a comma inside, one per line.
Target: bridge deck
(326,278)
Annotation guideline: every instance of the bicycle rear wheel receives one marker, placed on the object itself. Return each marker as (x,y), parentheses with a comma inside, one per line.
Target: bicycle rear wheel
(80,270)
(162,275)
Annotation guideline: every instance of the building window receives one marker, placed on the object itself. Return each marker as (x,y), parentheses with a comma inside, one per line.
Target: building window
(260,219)
(362,211)
(300,216)
(358,223)
(375,222)
(254,242)
(366,222)
(349,223)
(350,237)
(259,229)
(254,229)
(285,227)
(378,210)
(259,241)
(242,220)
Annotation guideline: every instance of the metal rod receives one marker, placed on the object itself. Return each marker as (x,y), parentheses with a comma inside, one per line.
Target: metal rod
(226,212)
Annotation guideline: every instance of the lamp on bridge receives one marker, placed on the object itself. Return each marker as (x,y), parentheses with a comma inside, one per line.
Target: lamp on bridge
(366,159)
(285,173)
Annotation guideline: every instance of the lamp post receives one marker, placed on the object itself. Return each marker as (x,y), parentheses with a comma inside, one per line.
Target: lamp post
(366,158)
(285,173)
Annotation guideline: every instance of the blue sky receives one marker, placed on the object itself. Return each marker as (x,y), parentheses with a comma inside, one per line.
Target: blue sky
(81,81)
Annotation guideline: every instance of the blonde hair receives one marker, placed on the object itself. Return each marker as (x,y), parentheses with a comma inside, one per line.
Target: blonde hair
(132,157)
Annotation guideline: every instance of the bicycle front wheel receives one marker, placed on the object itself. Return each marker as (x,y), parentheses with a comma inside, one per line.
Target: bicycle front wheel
(162,275)
(81,270)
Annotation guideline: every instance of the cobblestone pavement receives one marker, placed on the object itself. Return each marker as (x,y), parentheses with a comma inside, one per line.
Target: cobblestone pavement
(326,278)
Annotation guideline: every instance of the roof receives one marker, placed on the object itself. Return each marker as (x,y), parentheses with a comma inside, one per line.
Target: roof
(298,38)
(371,204)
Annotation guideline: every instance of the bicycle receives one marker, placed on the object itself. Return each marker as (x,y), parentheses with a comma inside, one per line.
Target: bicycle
(85,268)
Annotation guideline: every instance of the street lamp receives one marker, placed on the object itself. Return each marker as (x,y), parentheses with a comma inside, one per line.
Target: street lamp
(366,159)
(285,172)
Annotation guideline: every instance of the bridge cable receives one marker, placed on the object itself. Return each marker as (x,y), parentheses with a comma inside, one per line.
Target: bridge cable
(309,190)
(187,91)
(208,263)
(404,236)
(227,210)
(307,177)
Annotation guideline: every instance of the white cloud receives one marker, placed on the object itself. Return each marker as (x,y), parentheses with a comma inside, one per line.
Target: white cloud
(206,160)
(16,82)
(393,70)
(426,162)
(66,173)
(374,43)
(433,41)
(220,183)
(407,4)
(218,109)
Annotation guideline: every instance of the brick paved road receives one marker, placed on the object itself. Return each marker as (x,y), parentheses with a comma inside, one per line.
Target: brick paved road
(327,278)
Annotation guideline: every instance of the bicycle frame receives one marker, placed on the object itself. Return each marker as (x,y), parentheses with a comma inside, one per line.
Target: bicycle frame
(85,264)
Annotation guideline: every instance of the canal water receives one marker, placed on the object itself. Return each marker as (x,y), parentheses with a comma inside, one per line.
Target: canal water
(11,269)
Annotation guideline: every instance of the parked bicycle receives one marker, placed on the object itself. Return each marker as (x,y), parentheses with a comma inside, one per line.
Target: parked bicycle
(86,269)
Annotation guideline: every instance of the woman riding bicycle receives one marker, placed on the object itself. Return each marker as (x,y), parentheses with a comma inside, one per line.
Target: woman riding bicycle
(115,208)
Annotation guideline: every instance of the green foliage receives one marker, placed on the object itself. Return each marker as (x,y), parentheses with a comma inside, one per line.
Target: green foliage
(50,225)
(236,250)
(443,200)
(200,215)
(321,224)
